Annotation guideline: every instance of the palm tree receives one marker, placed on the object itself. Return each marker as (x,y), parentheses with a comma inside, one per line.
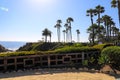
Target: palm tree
(46,33)
(102,33)
(69,20)
(114,4)
(99,9)
(64,31)
(58,26)
(67,37)
(91,13)
(105,20)
(115,31)
(50,35)
(91,34)
(111,23)
(78,32)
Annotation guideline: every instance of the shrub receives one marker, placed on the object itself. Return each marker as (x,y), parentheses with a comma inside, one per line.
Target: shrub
(110,55)
(71,49)
(102,46)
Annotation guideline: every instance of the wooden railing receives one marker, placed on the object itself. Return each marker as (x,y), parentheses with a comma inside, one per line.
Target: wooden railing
(50,60)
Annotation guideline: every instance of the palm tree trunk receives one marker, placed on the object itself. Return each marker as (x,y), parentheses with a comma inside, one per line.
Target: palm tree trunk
(50,38)
(58,33)
(64,36)
(70,35)
(98,26)
(110,31)
(78,37)
(45,38)
(93,37)
(119,11)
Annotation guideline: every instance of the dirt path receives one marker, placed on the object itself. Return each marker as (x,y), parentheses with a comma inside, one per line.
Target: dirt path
(54,75)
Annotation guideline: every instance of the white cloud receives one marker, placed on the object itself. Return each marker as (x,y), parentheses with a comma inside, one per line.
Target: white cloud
(4,9)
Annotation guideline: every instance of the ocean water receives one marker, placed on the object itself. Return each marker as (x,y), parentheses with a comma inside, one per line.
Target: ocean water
(12,45)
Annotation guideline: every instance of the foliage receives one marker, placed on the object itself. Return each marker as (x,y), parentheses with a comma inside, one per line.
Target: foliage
(102,46)
(67,49)
(40,46)
(2,49)
(70,49)
(85,63)
(110,55)
(22,53)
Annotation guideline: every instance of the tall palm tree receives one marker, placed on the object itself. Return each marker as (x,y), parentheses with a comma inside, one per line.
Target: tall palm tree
(69,20)
(67,37)
(64,31)
(78,32)
(114,4)
(105,20)
(115,31)
(99,9)
(91,34)
(58,26)
(91,13)
(46,33)
(50,35)
(111,23)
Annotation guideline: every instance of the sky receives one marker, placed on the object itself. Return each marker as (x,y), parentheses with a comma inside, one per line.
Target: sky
(24,20)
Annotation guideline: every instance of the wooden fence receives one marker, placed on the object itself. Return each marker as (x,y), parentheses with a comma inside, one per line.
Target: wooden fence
(49,60)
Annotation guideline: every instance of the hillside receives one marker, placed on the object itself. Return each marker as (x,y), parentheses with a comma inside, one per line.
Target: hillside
(45,46)
(2,49)
(40,46)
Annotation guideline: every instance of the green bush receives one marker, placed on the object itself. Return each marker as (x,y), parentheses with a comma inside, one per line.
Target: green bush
(102,46)
(110,55)
(67,49)
(71,49)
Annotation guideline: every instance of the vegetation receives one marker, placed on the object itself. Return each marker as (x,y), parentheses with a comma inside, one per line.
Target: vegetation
(114,4)
(2,49)
(58,26)
(102,31)
(65,49)
(78,32)
(111,56)
(102,46)
(46,33)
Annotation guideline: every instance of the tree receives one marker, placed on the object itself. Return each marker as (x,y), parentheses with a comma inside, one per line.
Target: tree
(105,20)
(69,20)
(64,31)
(91,13)
(114,4)
(46,33)
(115,31)
(67,37)
(78,32)
(50,35)
(99,9)
(58,26)
(96,35)
(92,36)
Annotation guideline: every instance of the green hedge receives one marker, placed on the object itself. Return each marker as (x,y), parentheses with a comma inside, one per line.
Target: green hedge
(110,55)
(102,46)
(75,49)
(66,49)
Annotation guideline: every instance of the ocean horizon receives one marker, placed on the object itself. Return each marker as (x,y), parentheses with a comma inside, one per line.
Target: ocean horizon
(12,45)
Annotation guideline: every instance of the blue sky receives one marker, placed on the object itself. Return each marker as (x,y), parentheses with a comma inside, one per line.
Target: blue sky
(24,20)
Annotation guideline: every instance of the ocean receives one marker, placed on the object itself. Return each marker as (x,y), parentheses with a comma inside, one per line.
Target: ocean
(12,45)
